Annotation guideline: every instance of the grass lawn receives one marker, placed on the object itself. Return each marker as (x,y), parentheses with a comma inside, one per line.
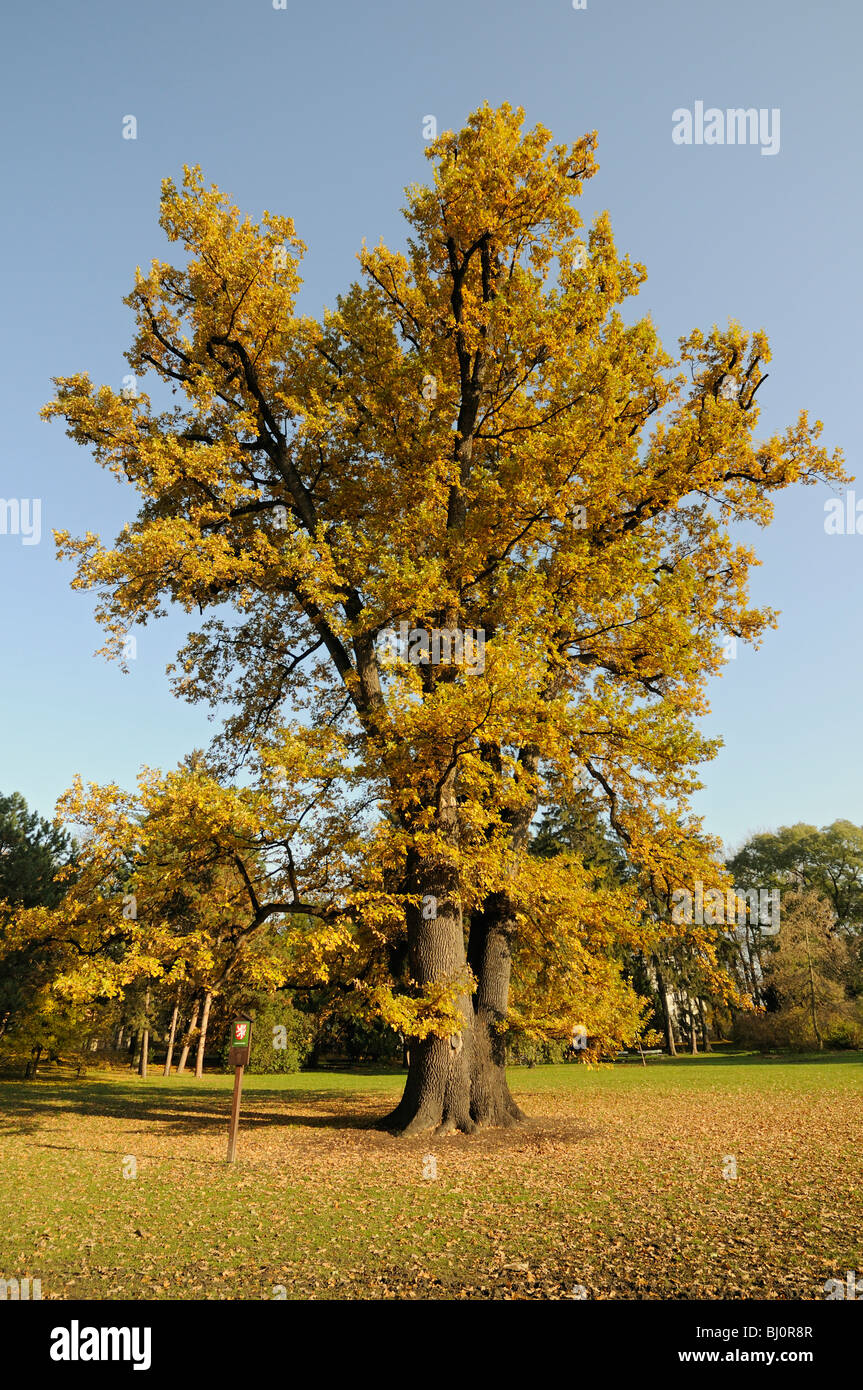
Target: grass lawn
(615,1184)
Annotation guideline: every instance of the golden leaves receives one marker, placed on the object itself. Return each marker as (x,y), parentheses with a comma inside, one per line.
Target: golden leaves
(566,488)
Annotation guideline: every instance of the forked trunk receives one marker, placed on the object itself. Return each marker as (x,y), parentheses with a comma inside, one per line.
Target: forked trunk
(459,1083)
(436,1097)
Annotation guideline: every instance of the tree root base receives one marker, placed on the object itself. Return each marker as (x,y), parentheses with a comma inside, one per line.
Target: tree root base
(435,1128)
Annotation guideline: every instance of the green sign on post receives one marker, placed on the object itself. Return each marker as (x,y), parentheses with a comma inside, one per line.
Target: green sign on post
(241,1041)
(240,1046)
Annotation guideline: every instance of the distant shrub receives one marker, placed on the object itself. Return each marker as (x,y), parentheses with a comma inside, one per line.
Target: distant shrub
(792,1030)
(528,1052)
(341,1036)
(765,1032)
(844,1033)
(275,1022)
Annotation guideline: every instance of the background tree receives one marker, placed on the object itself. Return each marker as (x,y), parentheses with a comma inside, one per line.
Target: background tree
(175,887)
(827,863)
(32,854)
(808,970)
(473,440)
(32,850)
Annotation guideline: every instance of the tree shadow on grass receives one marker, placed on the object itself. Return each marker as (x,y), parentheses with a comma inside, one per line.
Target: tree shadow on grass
(204,1112)
(184,1112)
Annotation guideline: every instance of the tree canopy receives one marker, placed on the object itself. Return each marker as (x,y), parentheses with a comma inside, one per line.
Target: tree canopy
(474,442)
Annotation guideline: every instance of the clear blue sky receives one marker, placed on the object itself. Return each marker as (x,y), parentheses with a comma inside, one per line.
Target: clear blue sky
(316,111)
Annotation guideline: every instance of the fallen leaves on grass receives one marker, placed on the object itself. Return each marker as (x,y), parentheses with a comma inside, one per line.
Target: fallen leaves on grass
(612,1187)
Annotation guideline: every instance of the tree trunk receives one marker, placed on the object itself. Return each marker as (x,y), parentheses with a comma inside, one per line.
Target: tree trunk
(169,1057)
(187,1037)
(693,1038)
(145,1039)
(705,1040)
(202,1036)
(436,1097)
(459,1083)
(812,1008)
(489,956)
(665,1009)
(747,958)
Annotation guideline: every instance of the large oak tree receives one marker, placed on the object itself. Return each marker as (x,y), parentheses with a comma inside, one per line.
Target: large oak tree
(474,438)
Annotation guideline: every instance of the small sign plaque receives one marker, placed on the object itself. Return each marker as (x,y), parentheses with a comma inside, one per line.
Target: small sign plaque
(241,1041)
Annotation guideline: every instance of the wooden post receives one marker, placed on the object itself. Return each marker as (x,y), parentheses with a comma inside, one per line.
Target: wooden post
(235,1114)
(240,1051)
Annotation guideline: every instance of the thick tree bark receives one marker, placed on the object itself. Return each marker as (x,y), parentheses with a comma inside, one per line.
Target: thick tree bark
(436,1097)
(490,958)
(202,1036)
(459,1083)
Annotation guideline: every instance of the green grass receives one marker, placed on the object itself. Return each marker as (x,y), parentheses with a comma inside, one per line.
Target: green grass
(615,1183)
